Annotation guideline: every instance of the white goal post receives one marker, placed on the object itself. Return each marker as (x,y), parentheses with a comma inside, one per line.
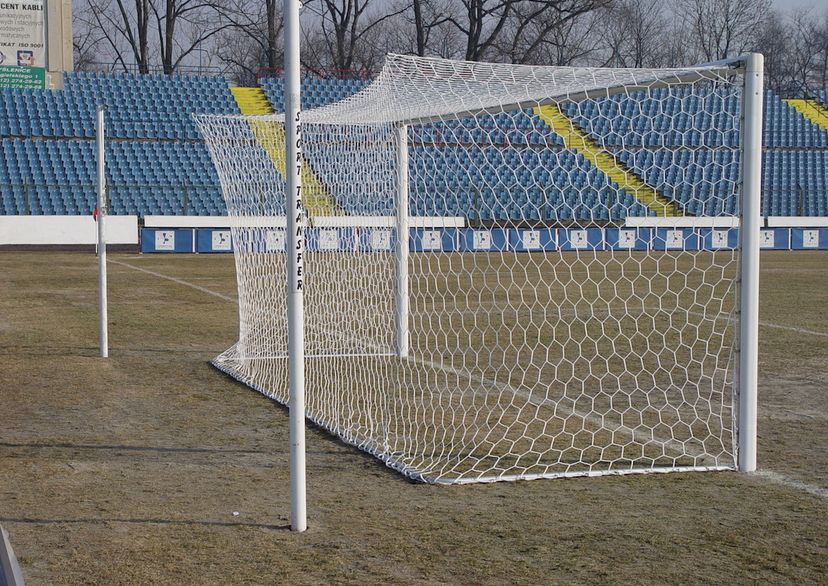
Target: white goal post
(477,307)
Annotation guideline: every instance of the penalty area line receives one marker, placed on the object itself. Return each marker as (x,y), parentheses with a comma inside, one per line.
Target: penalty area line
(177,280)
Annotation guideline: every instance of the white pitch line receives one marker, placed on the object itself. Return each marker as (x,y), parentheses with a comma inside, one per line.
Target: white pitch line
(179,281)
(486,307)
(590,417)
(784,480)
(765,324)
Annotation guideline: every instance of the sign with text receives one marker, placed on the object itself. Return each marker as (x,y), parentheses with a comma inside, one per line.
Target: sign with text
(221,240)
(810,239)
(275,241)
(23,78)
(165,240)
(531,240)
(381,240)
(482,240)
(675,239)
(23,34)
(328,239)
(432,240)
(626,238)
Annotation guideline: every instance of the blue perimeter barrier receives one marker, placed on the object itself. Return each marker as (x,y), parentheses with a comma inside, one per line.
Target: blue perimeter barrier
(218,240)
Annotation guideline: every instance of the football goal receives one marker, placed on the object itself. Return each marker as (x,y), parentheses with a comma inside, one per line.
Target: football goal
(510,272)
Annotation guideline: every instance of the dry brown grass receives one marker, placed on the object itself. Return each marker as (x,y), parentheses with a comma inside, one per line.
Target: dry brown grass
(129,470)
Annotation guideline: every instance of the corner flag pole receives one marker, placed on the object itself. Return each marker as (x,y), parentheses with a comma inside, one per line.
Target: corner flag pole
(101,215)
(295,247)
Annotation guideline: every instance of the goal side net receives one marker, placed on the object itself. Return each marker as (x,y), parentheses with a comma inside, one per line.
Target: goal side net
(511,272)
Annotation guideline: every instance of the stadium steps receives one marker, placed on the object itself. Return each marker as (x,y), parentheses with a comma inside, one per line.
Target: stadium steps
(251,101)
(812,110)
(577,141)
(271,135)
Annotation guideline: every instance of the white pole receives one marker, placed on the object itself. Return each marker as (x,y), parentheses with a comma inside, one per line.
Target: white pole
(402,241)
(295,248)
(749,261)
(102,305)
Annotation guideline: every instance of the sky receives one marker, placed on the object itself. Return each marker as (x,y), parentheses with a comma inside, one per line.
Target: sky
(784,5)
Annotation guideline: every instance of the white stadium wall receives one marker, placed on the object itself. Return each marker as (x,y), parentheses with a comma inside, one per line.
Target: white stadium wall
(66,230)
(797,222)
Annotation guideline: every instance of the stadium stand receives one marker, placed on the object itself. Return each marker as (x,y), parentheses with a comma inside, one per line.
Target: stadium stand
(545,185)
(821,96)
(792,144)
(315,91)
(157,163)
(795,183)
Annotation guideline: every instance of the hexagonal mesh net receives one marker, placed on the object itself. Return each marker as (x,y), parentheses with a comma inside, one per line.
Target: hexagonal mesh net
(507,271)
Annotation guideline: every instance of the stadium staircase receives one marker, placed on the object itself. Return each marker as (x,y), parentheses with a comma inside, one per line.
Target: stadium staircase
(812,110)
(579,142)
(253,101)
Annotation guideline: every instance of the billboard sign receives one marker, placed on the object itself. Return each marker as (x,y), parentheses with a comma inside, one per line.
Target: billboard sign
(22,44)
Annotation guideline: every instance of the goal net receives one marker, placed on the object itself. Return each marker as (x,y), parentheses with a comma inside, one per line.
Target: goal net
(511,272)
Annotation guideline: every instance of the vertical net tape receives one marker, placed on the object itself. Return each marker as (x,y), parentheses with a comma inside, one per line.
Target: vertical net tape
(561,320)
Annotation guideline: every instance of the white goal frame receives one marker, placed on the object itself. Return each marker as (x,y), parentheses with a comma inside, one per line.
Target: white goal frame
(750,225)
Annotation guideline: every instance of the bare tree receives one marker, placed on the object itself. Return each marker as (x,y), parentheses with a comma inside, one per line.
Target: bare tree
(480,23)
(774,40)
(634,33)
(572,42)
(343,35)
(87,39)
(805,56)
(796,52)
(124,28)
(429,17)
(822,71)
(535,25)
(354,34)
(183,26)
(722,28)
(253,38)
(273,25)
(422,28)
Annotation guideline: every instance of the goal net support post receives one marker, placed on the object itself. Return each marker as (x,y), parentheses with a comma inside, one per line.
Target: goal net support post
(752,98)
(401,247)
(481,302)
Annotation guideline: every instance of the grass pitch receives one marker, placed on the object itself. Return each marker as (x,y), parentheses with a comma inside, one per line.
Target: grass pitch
(521,365)
(151,467)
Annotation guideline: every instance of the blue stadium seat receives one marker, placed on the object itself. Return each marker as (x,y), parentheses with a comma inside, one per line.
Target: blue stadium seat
(46,141)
